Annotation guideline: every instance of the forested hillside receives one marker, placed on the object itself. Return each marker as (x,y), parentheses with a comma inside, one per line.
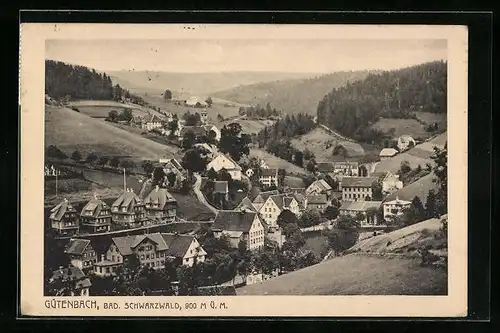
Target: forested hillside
(293,95)
(79,82)
(353,108)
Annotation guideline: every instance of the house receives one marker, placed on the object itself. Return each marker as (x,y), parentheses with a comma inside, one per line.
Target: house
(221,189)
(368,209)
(387,153)
(357,188)
(96,216)
(81,253)
(317,202)
(160,204)
(135,121)
(212,131)
(152,250)
(405,142)
(64,219)
(151,122)
(269,177)
(246,204)
(346,168)
(261,198)
(212,150)
(249,172)
(79,283)
(240,225)
(274,205)
(225,162)
(319,186)
(174,166)
(128,210)
(395,208)
(391,183)
(301,199)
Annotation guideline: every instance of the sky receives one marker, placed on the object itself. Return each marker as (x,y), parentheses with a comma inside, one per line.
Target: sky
(229,55)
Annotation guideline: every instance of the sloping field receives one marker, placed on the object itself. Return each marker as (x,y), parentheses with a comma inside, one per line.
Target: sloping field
(249,126)
(402,126)
(100,109)
(295,182)
(319,141)
(429,118)
(356,275)
(189,208)
(276,162)
(70,130)
(418,188)
(401,239)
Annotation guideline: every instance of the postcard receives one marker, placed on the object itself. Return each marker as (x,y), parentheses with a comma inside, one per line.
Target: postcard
(243,170)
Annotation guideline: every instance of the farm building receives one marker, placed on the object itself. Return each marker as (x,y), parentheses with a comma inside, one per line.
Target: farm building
(387,153)
(405,142)
(367,208)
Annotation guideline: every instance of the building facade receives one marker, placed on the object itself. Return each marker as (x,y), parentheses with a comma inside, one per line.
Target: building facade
(274,205)
(64,219)
(240,225)
(95,216)
(405,142)
(160,204)
(269,177)
(366,209)
(357,188)
(225,162)
(395,208)
(81,254)
(128,210)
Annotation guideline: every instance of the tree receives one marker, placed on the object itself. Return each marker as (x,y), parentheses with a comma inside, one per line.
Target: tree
(114,162)
(372,215)
(158,176)
(308,155)
(103,160)
(299,158)
(286,217)
(171,177)
(418,209)
(360,217)
(331,212)
(192,119)
(194,160)
(404,168)
(148,167)
(431,206)
(126,115)
(212,174)
(220,118)
(307,259)
(112,116)
(440,170)
(55,152)
(91,158)
(281,177)
(344,235)
(188,140)
(376,191)
(234,143)
(309,218)
(76,156)
(311,165)
(172,126)
(167,95)
(209,101)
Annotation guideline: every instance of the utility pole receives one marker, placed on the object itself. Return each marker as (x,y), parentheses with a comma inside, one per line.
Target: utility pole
(124,181)
(56,180)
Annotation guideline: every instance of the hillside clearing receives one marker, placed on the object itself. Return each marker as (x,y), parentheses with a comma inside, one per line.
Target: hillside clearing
(356,275)
(276,162)
(418,188)
(410,127)
(70,130)
(429,118)
(248,126)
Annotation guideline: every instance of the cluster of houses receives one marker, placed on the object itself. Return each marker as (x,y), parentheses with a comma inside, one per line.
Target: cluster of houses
(405,142)
(127,211)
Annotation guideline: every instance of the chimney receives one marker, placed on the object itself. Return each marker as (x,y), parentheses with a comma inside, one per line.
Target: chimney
(102,257)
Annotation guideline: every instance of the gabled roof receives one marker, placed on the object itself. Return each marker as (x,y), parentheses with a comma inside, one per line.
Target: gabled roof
(221,186)
(178,245)
(76,246)
(129,200)
(350,164)
(72,273)
(397,201)
(93,208)
(59,210)
(300,197)
(357,181)
(269,173)
(406,138)
(246,203)
(359,206)
(320,199)
(390,176)
(282,200)
(322,184)
(388,152)
(152,119)
(124,244)
(233,220)
(161,197)
(325,167)
(263,196)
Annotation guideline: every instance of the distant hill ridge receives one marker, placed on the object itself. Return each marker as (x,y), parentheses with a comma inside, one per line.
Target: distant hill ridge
(292,95)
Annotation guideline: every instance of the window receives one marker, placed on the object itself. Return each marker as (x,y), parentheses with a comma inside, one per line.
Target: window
(112,258)
(147,256)
(107,269)
(157,255)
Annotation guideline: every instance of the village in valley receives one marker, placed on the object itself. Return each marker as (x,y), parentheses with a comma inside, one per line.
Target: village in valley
(154,191)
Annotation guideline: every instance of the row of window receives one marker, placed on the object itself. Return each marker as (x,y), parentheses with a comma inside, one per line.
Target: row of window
(257,240)
(357,189)
(89,254)
(270,209)
(89,262)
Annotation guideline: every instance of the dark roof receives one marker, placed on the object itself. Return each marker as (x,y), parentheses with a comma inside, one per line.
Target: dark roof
(265,195)
(59,210)
(160,196)
(93,208)
(177,244)
(124,244)
(325,167)
(359,206)
(246,203)
(233,220)
(217,291)
(129,200)
(152,119)
(221,186)
(76,246)
(317,199)
(73,273)
(269,173)
(282,200)
(357,181)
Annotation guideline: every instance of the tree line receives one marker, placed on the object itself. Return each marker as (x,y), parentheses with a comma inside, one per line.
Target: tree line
(353,108)
(258,111)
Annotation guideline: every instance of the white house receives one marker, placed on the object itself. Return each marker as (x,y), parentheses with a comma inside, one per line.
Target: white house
(225,162)
(391,183)
(405,142)
(262,197)
(274,205)
(387,153)
(269,177)
(151,122)
(214,129)
(319,186)
(240,225)
(152,250)
(367,208)
(395,208)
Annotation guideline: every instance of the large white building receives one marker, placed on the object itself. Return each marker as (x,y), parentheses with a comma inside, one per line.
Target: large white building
(225,162)
(274,205)
(395,208)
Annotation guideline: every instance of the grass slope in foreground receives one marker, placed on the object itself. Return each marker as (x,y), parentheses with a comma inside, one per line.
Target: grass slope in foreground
(70,130)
